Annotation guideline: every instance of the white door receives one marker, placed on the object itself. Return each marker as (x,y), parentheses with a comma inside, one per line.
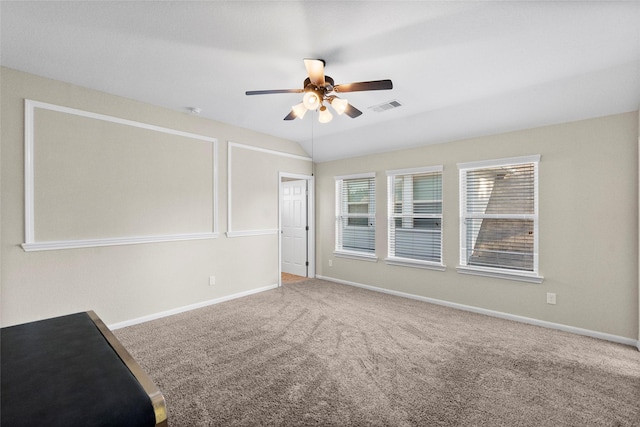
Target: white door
(294,227)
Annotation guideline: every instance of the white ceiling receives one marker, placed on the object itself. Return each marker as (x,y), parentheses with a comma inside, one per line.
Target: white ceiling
(459,69)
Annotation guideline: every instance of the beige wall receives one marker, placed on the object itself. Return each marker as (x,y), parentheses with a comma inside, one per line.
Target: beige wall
(588,235)
(126,282)
(588,224)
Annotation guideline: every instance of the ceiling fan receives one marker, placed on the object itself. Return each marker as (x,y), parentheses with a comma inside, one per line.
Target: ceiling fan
(319,87)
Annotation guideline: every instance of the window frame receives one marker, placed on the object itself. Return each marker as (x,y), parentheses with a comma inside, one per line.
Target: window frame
(340,214)
(392,258)
(532,276)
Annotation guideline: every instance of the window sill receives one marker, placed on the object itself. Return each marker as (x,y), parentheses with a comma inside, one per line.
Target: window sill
(500,274)
(405,262)
(356,255)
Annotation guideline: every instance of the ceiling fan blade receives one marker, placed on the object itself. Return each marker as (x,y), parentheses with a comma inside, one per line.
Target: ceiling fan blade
(352,111)
(315,70)
(267,92)
(290,116)
(362,86)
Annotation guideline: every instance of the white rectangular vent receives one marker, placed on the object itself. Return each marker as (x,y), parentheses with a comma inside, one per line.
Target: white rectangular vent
(385,106)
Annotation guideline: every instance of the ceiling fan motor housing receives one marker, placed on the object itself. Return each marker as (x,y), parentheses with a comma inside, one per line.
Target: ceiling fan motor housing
(320,92)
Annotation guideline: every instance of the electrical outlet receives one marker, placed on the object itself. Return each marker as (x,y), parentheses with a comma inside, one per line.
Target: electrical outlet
(212,280)
(330,263)
(551,298)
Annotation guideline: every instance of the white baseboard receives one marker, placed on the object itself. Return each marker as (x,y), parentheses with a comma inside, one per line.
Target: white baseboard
(579,331)
(189,307)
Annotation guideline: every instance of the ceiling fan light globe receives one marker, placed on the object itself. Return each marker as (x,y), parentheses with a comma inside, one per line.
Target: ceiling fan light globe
(311,100)
(340,105)
(325,115)
(299,110)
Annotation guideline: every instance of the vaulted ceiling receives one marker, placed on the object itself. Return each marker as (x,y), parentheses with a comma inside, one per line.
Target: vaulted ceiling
(460,69)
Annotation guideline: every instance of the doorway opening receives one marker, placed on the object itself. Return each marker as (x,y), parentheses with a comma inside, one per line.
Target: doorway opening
(296,257)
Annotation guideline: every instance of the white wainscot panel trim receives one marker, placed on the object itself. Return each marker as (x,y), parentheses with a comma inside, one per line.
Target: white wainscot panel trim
(32,245)
(245,233)
(75,244)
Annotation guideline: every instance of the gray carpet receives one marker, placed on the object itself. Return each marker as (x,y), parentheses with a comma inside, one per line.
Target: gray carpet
(320,353)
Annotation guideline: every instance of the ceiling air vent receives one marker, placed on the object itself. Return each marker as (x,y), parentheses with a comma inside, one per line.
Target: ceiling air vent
(385,106)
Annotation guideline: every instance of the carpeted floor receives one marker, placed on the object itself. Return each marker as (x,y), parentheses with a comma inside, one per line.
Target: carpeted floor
(324,354)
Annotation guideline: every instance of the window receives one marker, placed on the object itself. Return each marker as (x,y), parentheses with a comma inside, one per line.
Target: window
(355,215)
(415,217)
(499,218)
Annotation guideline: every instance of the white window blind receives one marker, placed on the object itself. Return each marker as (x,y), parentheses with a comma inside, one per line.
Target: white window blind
(499,215)
(415,214)
(355,213)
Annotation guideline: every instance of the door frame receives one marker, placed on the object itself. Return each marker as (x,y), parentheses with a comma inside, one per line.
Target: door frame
(311,241)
